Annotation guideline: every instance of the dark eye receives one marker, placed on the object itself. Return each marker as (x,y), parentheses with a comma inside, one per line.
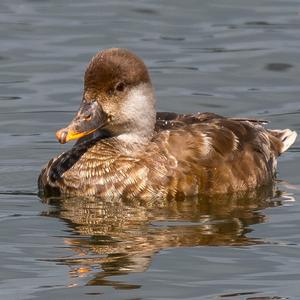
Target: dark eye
(88,117)
(120,86)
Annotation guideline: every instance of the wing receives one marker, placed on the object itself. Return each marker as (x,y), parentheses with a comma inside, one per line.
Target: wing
(218,155)
(171,120)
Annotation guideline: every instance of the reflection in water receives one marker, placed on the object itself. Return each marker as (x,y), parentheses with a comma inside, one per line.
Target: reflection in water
(230,296)
(117,237)
(278,67)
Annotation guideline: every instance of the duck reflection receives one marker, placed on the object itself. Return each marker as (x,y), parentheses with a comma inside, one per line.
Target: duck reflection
(114,237)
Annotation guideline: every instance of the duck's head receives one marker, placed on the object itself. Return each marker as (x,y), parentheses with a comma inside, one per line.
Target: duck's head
(118,99)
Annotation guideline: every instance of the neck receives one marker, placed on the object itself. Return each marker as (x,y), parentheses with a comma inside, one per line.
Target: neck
(139,110)
(134,139)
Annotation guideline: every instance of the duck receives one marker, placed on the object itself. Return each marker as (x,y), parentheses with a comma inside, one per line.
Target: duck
(125,149)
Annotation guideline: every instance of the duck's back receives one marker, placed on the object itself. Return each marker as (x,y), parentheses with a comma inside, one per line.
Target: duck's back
(188,155)
(220,155)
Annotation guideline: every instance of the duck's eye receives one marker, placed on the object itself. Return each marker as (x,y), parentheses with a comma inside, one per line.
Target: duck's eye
(120,86)
(88,117)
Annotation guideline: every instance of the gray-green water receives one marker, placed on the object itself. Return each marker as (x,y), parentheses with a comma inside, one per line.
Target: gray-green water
(233,57)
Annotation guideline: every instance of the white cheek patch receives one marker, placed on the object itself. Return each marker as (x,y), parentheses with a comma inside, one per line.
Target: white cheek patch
(140,101)
(139,108)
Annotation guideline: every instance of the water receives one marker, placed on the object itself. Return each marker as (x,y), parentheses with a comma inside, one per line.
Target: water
(238,58)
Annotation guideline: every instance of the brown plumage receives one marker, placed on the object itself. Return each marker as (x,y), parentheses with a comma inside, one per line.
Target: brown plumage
(127,150)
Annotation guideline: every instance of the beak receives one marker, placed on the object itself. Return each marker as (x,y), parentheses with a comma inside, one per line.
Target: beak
(89,118)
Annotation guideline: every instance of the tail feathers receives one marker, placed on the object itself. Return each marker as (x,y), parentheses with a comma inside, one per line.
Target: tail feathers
(286,136)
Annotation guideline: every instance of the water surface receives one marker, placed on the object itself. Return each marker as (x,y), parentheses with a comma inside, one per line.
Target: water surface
(238,58)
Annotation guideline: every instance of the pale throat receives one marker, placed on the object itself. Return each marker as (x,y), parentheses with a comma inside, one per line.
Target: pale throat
(139,110)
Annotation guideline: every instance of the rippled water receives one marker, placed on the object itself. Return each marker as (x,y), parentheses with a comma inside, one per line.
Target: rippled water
(233,57)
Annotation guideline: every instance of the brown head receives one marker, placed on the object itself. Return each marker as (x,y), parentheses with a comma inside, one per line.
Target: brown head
(118,98)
